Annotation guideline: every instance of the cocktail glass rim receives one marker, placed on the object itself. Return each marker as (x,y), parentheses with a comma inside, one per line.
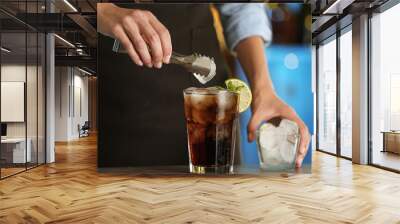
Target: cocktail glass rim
(192,90)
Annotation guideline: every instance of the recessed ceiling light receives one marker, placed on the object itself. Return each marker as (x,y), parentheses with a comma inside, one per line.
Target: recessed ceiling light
(337,7)
(5,50)
(70,5)
(84,71)
(65,41)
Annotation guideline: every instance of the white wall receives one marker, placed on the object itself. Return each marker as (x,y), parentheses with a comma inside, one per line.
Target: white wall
(70,83)
(33,127)
(62,81)
(9,73)
(12,73)
(80,103)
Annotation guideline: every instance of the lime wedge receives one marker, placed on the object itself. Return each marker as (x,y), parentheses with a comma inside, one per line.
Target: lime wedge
(245,97)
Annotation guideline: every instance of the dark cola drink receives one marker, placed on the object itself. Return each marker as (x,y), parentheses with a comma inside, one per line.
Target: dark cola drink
(211,115)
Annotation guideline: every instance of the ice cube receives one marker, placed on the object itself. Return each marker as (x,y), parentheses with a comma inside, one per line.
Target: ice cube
(268,138)
(278,145)
(287,151)
(289,145)
(198,134)
(223,132)
(202,101)
(269,143)
(226,101)
(289,127)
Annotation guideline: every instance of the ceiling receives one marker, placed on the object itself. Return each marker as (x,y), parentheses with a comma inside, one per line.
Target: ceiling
(331,15)
(72,20)
(39,6)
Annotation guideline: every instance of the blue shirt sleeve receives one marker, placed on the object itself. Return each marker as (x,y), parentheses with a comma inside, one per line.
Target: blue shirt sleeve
(243,20)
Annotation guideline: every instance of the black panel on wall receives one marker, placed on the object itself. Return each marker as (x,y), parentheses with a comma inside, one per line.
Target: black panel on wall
(127,133)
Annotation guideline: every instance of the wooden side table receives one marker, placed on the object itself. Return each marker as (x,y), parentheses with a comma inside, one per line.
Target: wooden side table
(391,141)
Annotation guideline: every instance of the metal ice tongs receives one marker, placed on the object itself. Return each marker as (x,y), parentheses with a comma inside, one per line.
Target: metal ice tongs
(202,67)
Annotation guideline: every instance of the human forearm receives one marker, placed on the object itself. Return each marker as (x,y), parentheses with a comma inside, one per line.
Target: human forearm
(250,52)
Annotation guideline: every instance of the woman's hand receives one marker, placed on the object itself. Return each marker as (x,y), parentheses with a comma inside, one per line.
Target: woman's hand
(266,105)
(137,30)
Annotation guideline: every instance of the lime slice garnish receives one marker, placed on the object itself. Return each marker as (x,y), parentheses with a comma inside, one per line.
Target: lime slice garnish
(245,97)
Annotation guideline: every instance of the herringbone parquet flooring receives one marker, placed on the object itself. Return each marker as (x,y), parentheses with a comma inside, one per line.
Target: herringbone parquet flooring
(72,191)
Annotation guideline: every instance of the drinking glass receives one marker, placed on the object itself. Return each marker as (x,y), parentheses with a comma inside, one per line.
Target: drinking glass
(211,120)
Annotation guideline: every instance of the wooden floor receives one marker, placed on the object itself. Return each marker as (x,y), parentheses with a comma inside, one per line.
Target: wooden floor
(386,159)
(8,171)
(72,191)
(5,172)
